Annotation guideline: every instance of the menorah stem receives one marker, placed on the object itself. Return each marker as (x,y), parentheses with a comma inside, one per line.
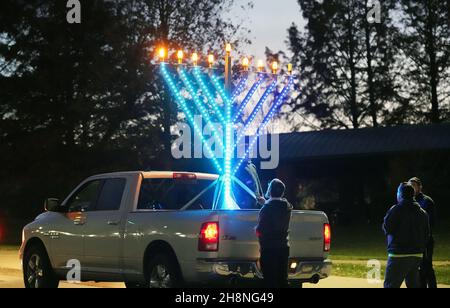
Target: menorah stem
(228,72)
(228,131)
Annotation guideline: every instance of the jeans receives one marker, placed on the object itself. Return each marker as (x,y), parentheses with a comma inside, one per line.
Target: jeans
(427,275)
(274,265)
(402,269)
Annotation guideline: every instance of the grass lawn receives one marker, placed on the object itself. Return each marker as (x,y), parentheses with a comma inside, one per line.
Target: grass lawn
(360,271)
(368,242)
(357,245)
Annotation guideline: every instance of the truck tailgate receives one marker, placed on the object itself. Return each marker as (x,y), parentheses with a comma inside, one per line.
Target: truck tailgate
(307,234)
(238,239)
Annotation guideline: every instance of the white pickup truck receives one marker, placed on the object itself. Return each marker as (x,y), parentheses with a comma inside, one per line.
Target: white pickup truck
(158,230)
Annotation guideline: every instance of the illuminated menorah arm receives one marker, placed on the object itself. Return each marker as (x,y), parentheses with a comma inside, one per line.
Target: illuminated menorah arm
(182,103)
(200,106)
(255,111)
(248,97)
(240,88)
(265,122)
(211,99)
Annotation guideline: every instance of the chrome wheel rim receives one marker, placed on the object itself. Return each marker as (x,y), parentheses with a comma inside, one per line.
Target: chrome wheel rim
(35,271)
(160,277)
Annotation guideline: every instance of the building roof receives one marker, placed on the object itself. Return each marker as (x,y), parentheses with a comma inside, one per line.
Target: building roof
(367,141)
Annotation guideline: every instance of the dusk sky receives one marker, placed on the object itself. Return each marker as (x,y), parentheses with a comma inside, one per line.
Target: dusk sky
(268,21)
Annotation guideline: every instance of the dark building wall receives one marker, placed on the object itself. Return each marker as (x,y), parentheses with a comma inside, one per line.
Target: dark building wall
(361,189)
(354,189)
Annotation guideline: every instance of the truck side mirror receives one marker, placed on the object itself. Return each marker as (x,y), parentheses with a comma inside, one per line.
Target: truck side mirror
(52,205)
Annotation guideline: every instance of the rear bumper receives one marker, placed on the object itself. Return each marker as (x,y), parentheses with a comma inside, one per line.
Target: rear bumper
(217,270)
(311,270)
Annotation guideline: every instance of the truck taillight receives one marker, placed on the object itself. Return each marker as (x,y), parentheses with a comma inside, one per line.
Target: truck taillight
(209,237)
(326,237)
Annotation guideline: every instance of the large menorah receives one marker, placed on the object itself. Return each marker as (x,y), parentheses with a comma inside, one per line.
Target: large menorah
(217,101)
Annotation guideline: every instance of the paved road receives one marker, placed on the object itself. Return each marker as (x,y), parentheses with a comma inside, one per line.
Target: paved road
(11,274)
(11,277)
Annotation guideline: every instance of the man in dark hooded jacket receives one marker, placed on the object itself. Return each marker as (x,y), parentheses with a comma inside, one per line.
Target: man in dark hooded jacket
(407,229)
(427,274)
(273,234)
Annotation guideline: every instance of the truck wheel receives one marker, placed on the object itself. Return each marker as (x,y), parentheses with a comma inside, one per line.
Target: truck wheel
(37,270)
(162,273)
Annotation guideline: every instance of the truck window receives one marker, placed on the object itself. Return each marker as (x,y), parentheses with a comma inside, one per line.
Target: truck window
(84,199)
(170,194)
(111,195)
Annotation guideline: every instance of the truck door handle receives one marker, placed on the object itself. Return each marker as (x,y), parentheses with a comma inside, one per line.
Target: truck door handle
(113,223)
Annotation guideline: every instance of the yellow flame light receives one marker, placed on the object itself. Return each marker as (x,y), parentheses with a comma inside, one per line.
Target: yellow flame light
(228,48)
(211,60)
(162,54)
(245,63)
(274,67)
(195,58)
(180,56)
(260,65)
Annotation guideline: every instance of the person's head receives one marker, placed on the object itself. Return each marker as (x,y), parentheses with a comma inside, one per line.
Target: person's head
(276,189)
(417,184)
(405,192)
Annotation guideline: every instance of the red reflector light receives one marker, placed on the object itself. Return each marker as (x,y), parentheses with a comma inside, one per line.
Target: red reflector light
(185,176)
(326,237)
(209,237)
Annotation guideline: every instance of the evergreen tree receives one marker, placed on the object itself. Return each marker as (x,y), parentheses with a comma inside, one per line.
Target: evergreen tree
(345,62)
(78,99)
(425,42)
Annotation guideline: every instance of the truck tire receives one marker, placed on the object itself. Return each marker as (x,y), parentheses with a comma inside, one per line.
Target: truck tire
(37,270)
(162,273)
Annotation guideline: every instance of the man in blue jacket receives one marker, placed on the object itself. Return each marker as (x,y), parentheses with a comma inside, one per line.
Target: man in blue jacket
(407,229)
(273,233)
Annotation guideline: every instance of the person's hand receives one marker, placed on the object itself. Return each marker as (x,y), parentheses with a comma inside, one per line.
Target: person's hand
(261,200)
